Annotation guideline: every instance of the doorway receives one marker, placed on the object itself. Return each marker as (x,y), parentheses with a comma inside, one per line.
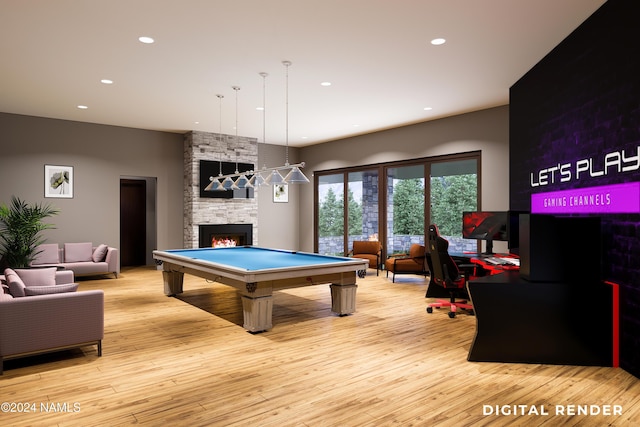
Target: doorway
(137,221)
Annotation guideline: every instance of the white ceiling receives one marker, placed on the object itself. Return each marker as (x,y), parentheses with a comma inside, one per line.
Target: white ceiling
(376,53)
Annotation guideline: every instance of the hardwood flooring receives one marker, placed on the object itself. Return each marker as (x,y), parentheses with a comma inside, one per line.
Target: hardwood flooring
(170,361)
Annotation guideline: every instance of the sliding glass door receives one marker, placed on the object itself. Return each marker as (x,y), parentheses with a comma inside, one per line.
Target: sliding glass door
(405,208)
(362,206)
(395,203)
(330,227)
(453,189)
(347,210)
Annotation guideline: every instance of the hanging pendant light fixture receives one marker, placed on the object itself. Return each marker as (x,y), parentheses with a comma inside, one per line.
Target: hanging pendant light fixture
(242,181)
(229,183)
(215,184)
(258,179)
(274,176)
(264,176)
(295,175)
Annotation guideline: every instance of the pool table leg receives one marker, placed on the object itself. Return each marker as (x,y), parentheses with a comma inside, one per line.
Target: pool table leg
(172,282)
(257,313)
(343,299)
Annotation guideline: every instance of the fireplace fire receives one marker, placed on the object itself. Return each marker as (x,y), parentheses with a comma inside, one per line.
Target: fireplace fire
(225,235)
(225,242)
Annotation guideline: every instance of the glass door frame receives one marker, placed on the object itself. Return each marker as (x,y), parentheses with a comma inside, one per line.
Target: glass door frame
(382,169)
(345,181)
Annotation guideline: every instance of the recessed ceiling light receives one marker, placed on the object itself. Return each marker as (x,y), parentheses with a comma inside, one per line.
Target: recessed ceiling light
(146,40)
(325,84)
(106,81)
(82,107)
(428,108)
(259,108)
(304,137)
(438,41)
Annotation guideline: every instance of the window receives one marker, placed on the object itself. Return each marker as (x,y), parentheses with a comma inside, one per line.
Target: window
(330,223)
(362,206)
(453,190)
(387,203)
(405,208)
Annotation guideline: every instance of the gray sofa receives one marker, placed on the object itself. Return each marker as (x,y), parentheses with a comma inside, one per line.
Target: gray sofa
(49,322)
(82,258)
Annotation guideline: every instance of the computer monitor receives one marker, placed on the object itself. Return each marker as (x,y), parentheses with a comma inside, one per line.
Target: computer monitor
(488,226)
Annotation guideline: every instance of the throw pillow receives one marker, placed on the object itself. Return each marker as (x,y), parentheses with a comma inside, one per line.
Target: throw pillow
(78,252)
(46,290)
(37,276)
(100,253)
(47,254)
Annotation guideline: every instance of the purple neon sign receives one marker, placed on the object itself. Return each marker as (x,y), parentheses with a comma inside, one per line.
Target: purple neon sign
(616,198)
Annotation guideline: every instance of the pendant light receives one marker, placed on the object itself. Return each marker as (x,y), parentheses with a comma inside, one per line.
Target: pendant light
(275,177)
(258,179)
(242,181)
(295,175)
(215,184)
(264,176)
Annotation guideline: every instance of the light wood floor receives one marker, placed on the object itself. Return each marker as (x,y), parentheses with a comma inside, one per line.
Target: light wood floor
(170,361)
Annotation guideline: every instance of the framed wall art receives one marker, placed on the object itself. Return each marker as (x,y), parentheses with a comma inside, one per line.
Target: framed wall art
(58,181)
(280,193)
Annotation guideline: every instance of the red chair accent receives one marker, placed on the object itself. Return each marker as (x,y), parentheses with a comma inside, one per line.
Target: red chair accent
(446,273)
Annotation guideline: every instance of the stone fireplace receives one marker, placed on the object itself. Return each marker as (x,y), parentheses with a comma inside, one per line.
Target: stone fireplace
(225,235)
(200,211)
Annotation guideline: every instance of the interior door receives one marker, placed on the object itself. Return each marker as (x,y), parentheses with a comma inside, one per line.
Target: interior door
(133,223)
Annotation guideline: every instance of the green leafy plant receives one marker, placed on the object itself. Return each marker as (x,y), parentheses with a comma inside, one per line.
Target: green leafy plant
(21,226)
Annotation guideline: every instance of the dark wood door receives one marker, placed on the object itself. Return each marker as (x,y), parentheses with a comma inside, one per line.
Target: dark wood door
(133,223)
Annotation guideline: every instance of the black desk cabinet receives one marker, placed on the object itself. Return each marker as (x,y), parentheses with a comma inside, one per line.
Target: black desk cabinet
(537,322)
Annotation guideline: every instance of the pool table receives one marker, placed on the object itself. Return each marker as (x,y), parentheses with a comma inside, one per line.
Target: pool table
(256,272)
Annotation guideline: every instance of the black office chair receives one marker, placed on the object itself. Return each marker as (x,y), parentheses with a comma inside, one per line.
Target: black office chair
(446,273)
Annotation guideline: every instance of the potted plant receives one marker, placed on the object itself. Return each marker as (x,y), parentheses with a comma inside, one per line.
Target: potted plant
(21,226)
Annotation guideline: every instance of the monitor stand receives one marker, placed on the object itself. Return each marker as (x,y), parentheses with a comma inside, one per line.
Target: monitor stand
(489,250)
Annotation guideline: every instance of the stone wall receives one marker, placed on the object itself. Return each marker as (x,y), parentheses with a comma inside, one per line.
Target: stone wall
(217,147)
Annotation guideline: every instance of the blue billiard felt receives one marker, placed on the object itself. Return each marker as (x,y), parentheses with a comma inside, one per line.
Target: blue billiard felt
(254,258)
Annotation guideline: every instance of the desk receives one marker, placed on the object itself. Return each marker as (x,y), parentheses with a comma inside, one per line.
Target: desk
(491,268)
(482,261)
(544,322)
(256,272)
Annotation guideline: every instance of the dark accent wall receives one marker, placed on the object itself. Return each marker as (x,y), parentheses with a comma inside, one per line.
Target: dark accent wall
(580,102)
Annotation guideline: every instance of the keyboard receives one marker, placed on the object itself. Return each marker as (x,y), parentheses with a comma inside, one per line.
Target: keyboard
(494,260)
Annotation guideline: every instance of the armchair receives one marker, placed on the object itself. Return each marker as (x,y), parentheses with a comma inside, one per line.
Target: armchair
(446,273)
(412,263)
(370,250)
